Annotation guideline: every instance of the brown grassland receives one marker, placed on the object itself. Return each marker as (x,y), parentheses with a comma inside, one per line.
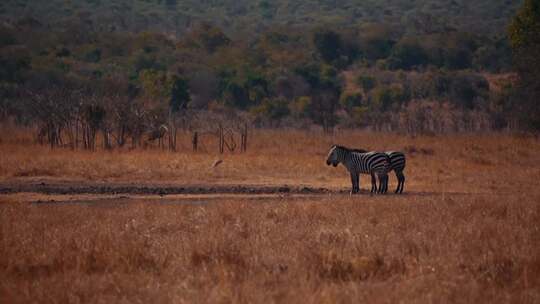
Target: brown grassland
(467,228)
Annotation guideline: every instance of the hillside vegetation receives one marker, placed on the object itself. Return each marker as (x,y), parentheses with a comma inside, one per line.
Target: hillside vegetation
(173,16)
(125,68)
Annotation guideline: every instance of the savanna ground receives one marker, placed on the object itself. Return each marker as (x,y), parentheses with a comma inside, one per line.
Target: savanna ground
(467,228)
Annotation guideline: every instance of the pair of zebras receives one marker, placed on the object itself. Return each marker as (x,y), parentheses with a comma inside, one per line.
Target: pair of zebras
(373,163)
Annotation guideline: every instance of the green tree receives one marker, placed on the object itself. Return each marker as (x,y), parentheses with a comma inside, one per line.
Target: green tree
(350,100)
(328,44)
(179,92)
(300,107)
(161,86)
(210,37)
(13,67)
(468,89)
(267,11)
(524,33)
(325,91)
(376,41)
(407,55)
(360,115)
(366,82)
(495,56)
(386,97)
(242,87)
(7,37)
(171,4)
(154,83)
(272,110)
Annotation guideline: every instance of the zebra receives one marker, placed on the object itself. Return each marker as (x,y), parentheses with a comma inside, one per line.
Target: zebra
(397,162)
(373,163)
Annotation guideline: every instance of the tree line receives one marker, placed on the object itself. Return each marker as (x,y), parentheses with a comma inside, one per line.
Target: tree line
(80,81)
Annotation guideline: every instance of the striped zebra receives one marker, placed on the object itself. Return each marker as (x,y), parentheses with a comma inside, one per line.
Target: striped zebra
(372,163)
(397,162)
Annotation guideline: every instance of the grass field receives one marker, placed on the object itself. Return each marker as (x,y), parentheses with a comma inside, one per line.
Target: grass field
(460,163)
(467,228)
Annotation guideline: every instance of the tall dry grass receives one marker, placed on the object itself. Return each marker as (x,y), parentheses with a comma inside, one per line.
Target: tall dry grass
(467,229)
(407,249)
(458,163)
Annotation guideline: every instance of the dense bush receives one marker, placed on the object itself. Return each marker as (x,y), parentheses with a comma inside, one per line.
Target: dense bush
(525,41)
(342,69)
(406,55)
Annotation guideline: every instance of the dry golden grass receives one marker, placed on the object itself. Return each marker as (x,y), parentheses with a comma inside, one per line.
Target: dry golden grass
(467,229)
(415,249)
(460,163)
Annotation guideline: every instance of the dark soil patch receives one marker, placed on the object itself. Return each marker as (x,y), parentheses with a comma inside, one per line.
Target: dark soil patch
(90,188)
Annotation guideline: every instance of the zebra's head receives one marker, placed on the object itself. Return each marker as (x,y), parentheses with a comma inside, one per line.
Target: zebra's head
(333,157)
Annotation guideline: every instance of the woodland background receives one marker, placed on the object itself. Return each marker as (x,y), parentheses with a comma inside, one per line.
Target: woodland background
(121,69)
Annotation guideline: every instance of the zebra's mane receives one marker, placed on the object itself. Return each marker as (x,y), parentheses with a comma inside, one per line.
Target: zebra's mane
(359,150)
(341,148)
(349,149)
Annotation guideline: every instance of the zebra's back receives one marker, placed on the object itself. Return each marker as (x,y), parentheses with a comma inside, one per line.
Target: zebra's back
(397,160)
(370,162)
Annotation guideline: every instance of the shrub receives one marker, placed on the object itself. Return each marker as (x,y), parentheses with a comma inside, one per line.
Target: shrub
(386,97)
(360,115)
(407,55)
(300,107)
(366,82)
(271,110)
(328,44)
(466,88)
(350,100)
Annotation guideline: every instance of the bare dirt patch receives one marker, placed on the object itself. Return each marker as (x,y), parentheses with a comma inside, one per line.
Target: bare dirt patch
(65,188)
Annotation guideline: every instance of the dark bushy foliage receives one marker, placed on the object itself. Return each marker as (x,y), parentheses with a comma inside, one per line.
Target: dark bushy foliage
(357,64)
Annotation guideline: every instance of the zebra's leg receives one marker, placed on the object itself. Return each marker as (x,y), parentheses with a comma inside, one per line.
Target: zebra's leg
(373,183)
(386,183)
(386,178)
(398,182)
(354,182)
(402,180)
(382,182)
(357,182)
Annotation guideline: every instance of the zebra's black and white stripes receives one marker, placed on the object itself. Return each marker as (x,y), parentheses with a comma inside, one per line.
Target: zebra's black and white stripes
(397,162)
(372,163)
